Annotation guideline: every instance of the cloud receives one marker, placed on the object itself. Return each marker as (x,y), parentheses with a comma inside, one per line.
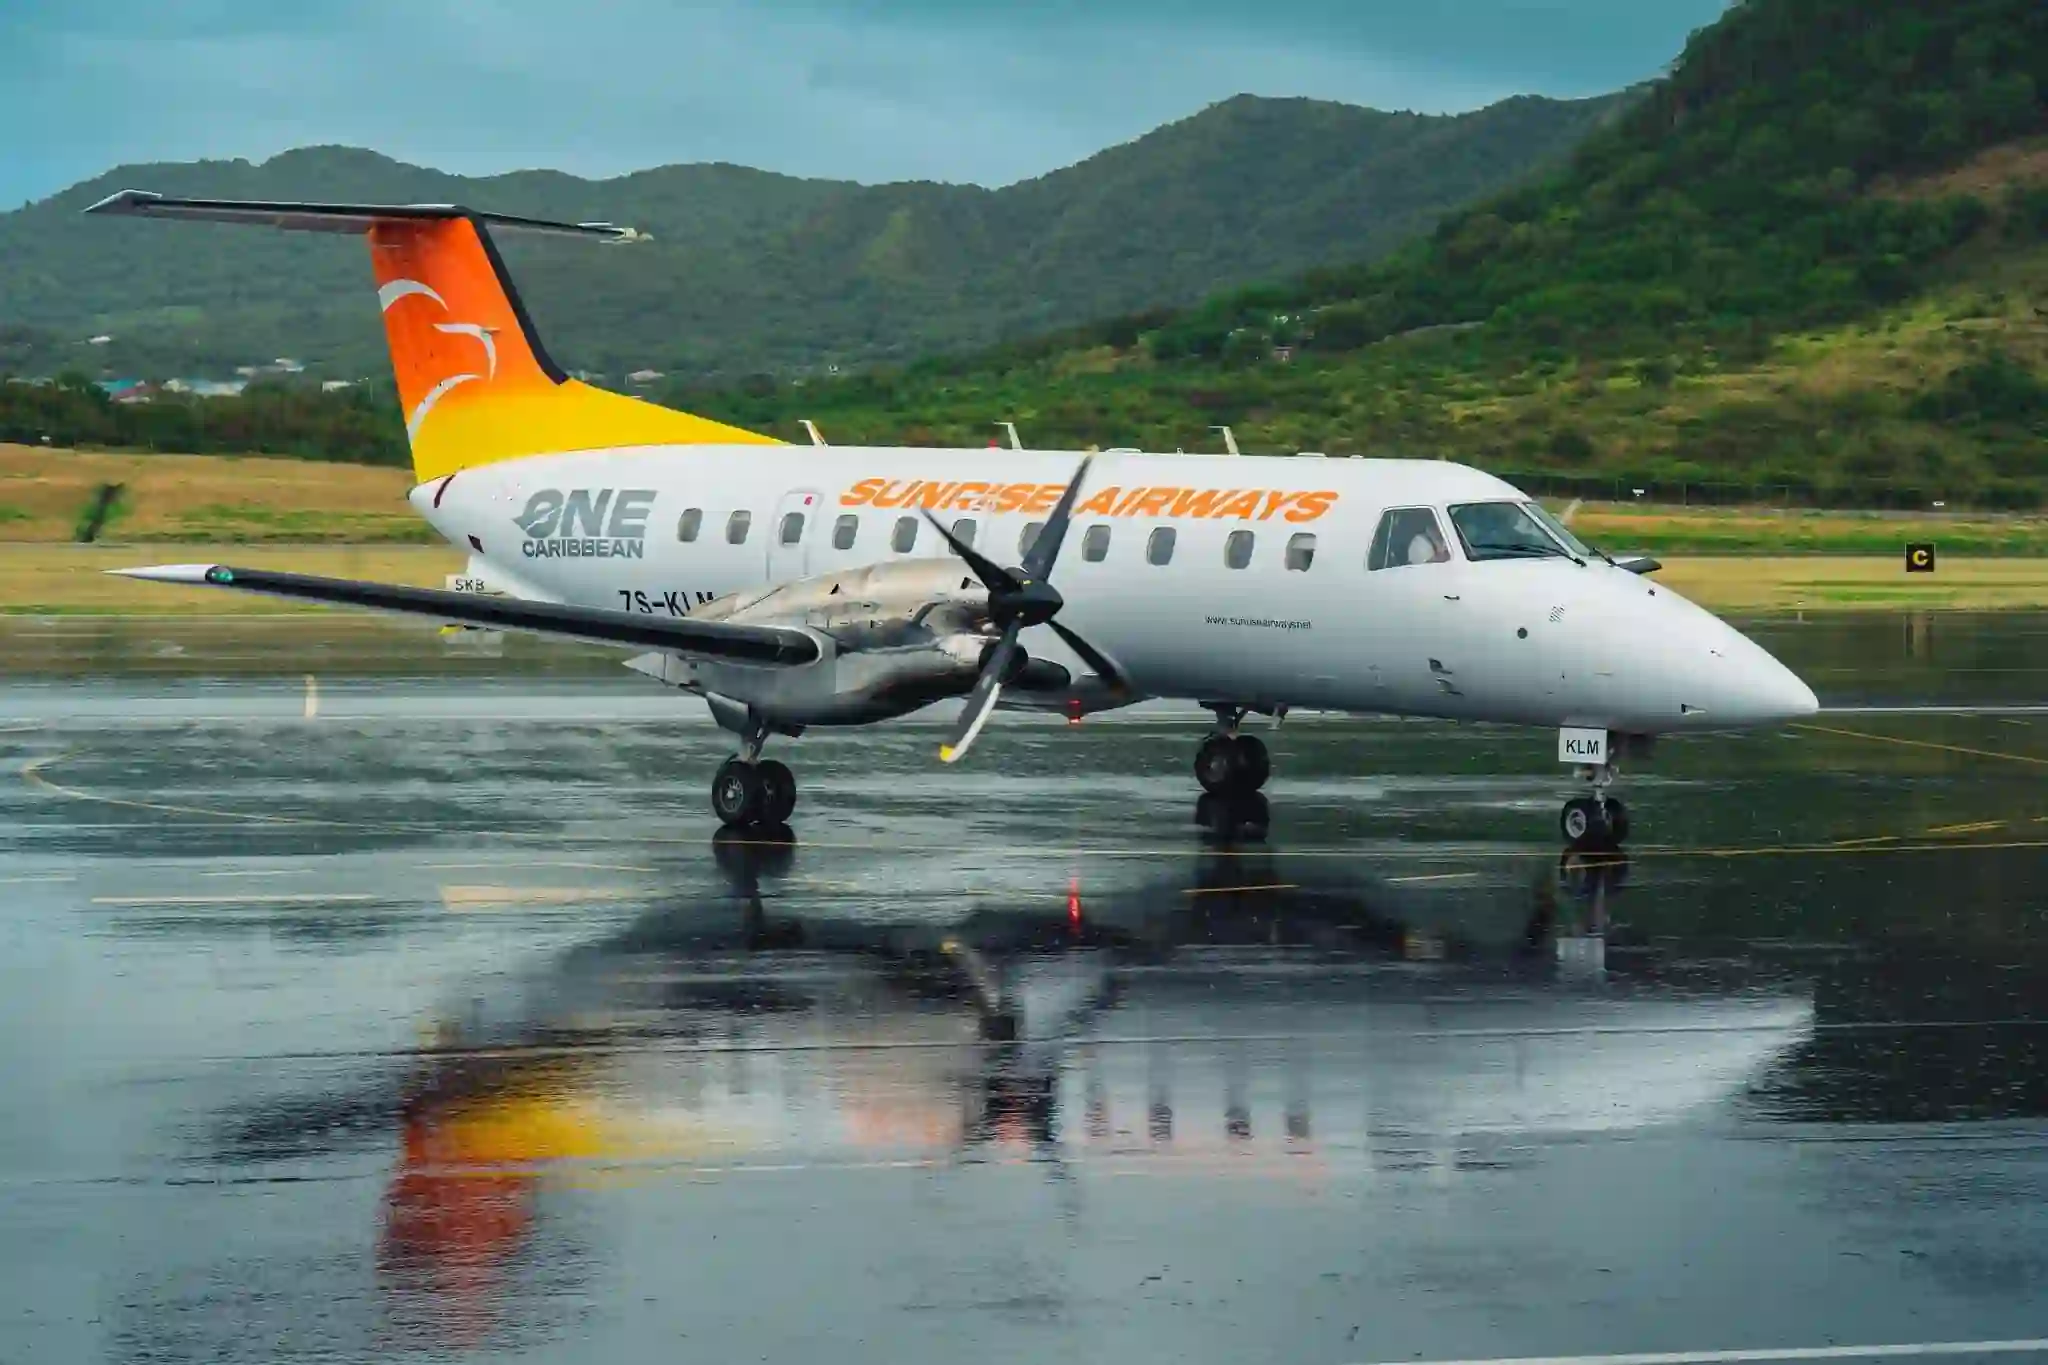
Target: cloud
(860,89)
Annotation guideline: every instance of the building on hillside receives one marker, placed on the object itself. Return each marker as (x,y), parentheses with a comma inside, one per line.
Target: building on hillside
(642,378)
(206,388)
(336,385)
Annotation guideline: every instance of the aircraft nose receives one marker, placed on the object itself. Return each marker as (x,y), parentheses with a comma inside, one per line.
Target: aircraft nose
(1770,693)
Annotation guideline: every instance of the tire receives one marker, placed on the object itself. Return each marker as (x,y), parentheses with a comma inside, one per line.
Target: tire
(1255,765)
(778,791)
(736,794)
(1580,822)
(1617,821)
(1217,765)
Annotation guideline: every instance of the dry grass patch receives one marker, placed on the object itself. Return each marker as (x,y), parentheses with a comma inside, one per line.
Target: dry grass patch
(201,497)
(1791,584)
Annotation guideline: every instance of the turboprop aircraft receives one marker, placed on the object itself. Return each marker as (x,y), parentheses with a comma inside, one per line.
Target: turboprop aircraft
(796,586)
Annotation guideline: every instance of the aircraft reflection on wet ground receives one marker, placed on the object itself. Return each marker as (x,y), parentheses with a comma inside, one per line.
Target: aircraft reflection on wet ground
(1237,1024)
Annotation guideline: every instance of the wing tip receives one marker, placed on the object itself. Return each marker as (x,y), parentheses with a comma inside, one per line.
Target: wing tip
(168,573)
(122,201)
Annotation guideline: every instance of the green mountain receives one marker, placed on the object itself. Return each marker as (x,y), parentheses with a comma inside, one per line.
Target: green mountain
(751,272)
(1809,262)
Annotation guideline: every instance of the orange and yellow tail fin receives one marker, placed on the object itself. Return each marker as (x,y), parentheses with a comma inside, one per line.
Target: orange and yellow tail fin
(474,381)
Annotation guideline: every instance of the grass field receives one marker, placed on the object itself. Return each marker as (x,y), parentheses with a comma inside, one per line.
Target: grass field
(205,498)
(67,579)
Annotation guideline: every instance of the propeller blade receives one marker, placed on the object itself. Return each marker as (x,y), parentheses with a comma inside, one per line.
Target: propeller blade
(981,702)
(1094,657)
(1572,510)
(1038,564)
(993,576)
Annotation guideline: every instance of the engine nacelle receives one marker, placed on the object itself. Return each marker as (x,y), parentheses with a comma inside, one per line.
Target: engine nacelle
(893,638)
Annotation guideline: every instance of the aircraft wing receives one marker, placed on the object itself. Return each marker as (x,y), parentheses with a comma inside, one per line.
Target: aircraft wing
(781,646)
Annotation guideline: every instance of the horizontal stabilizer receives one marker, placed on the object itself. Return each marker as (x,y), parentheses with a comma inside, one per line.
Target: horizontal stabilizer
(770,645)
(347,218)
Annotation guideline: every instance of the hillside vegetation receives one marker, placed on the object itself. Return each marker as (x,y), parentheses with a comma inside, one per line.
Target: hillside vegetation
(1814,258)
(750,271)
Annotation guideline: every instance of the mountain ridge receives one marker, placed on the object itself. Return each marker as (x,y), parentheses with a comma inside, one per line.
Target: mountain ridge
(753,270)
(1814,257)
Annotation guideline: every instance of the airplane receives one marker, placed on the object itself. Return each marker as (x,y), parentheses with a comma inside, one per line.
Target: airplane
(796,586)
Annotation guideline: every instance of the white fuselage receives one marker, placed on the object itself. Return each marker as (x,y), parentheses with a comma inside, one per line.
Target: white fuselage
(1542,641)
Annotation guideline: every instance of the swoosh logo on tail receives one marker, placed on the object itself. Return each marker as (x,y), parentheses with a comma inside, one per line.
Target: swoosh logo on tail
(391,293)
(426,405)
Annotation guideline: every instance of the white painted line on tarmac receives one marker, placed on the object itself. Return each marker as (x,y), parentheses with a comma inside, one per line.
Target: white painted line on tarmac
(315,898)
(1937,709)
(515,865)
(51,877)
(2025,1346)
(312,698)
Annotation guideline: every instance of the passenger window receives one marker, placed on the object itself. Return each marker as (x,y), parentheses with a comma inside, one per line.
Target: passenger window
(1159,546)
(963,531)
(904,538)
(1237,549)
(1407,535)
(688,523)
(792,532)
(1301,551)
(844,530)
(736,529)
(1095,543)
(1029,538)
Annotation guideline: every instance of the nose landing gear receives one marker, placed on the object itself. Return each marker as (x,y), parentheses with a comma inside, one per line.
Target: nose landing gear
(1598,821)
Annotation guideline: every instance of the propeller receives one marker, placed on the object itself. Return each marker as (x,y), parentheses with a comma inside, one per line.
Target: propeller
(1018,598)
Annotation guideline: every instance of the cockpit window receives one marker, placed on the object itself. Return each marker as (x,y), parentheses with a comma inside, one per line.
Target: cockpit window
(1407,535)
(1557,528)
(1503,530)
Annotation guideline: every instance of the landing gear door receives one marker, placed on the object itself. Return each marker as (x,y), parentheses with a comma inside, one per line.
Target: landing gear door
(790,534)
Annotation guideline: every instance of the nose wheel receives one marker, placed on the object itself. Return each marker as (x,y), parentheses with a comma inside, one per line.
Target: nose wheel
(1591,821)
(745,794)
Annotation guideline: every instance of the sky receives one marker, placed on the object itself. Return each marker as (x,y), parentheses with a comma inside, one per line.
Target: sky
(981,91)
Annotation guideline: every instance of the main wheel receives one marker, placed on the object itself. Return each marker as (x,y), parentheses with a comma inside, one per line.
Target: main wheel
(1617,821)
(1217,764)
(1581,821)
(1255,765)
(778,791)
(736,793)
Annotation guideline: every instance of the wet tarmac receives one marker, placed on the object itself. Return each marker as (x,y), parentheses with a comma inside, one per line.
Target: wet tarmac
(439,1024)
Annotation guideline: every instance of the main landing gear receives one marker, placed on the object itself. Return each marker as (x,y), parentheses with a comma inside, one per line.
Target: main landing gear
(748,791)
(1229,763)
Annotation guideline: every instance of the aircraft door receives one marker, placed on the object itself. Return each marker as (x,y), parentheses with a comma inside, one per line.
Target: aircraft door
(790,535)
